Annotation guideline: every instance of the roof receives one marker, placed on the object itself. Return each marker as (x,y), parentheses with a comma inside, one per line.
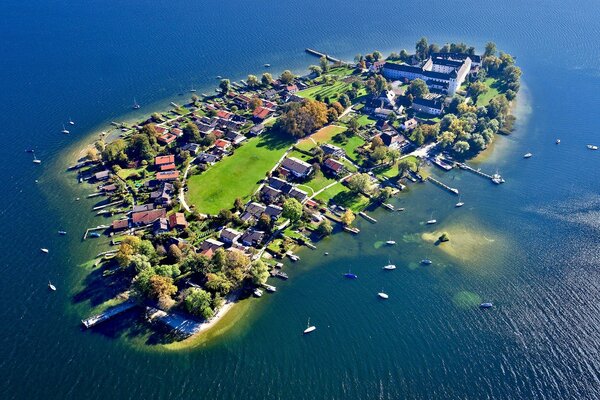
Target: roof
(222,144)
(261,112)
(161,224)
(252,236)
(296,165)
(334,165)
(167,167)
(429,103)
(207,158)
(436,75)
(270,192)
(167,175)
(142,207)
(102,174)
(224,114)
(447,62)
(211,244)
(279,184)
(177,220)
(389,139)
(120,224)
(229,234)
(273,210)
(109,188)
(147,217)
(160,160)
(167,138)
(330,148)
(255,209)
(298,194)
(403,67)
(457,56)
(159,129)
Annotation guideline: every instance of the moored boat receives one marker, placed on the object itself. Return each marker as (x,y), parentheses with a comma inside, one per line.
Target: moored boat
(486,305)
(257,292)
(383,295)
(390,242)
(528,155)
(309,328)
(389,267)
(592,147)
(44,250)
(350,275)
(426,261)
(62,232)
(51,286)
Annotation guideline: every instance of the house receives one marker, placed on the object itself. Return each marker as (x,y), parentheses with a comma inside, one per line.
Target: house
(297,167)
(168,167)
(383,112)
(209,246)
(409,124)
(163,160)
(334,166)
(159,226)
(147,217)
(109,188)
(242,101)
(270,94)
(193,148)
(222,144)
(120,224)
(229,235)
(207,158)
(162,196)
(376,66)
(261,113)
(205,128)
(393,140)
(291,89)
(167,175)
(256,130)
(235,137)
(252,237)
(253,211)
(160,129)
(273,211)
(167,138)
(427,106)
(280,184)
(298,194)
(331,150)
(177,221)
(269,194)
(142,207)
(102,175)
(177,132)
(226,115)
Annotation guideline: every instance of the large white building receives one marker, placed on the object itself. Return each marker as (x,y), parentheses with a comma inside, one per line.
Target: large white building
(442,73)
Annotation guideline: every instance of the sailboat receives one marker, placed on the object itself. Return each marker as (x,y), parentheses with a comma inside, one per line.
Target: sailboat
(64,130)
(192,89)
(309,328)
(44,250)
(426,261)
(431,221)
(350,275)
(136,106)
(528,155)
(71,122)
(35,159)
(390,266)
(51,286)
(390,242)
(383,295)
(460,203)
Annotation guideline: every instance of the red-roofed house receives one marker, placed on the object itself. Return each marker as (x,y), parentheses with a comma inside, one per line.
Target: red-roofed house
(177,221)
(159,129)
(177,132)
(147,217)
(167,167)
(222,144)
(120,224)
(224,114)
(167,175)
(167,138)
(291,89)
(262,113)
(334,165)
(161,160)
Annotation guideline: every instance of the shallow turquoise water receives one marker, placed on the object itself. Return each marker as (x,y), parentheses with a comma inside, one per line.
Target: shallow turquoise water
(534,250)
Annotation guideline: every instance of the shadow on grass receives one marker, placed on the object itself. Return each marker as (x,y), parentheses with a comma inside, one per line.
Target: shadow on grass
(99,289)
(275,139)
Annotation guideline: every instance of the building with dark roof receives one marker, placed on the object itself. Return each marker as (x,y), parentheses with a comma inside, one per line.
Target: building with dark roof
(427,106)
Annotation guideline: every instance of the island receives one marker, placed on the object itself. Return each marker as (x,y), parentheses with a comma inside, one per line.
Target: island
(205,199)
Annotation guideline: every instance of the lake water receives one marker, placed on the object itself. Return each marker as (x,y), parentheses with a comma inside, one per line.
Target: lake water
(530,245)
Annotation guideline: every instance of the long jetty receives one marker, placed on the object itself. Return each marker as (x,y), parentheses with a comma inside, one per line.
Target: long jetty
(473,170)
(443,185)
(108,314)
(367,217)
(319,54)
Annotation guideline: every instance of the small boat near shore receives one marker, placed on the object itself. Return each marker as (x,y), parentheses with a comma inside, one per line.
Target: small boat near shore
(426,261)
(135,106)
(51,286)
(64,130)
(71,122)
(350,275)
(309,328)
(431,221)
(267,65)
(257,292)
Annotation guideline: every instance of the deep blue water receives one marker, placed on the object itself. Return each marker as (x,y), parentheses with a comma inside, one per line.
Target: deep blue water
(531,246)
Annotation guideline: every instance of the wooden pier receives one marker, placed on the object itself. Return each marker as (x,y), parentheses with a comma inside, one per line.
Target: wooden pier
(98,228)
(473,170)
(106,315)
(319,54)
(367,217)
(443,185)
(352,230)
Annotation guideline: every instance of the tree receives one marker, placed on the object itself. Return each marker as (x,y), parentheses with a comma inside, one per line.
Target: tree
(348,217)
(266,79)
(198,302)
(114,153)
(252,81)
(324,64)
(225,86)
(379,154)
(498,106)
(345,101)
(292,209)
(358,58)
(353,125)
(139,262)
(490,49)
(476,89)
(92,154)
(324,228)
(377,55)
(287,77)
(303,118)
(418,88)
(394,155)
(224,216)
(191,133)
(162,286)
(461,147)
(238,204)
(255,102)
(218,282)
(405,165)
(421,48)
(259,272)
(140,148)
(175,253)
(124,255)
(360,183)
(316,70)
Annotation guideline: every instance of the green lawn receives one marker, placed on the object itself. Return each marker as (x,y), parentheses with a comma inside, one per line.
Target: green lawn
(319,182)
(126,172)
(237,175)
(350,145)
(392,171)
(364,120)
(340,71)
(332,91)
(492,92)
(331,192)
(323,135)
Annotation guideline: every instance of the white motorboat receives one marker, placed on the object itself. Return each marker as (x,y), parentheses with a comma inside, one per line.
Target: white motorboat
(383,295)
(389,267)
(309,328)
(44,250)
(64,130)
(527,155)
(557,141)
(258,292)
(460,203)
(426,261)
(390,242)
(431,221)
(51,286)
(71,122)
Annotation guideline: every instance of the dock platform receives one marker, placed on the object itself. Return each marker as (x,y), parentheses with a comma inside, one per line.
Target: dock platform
(367,217)
(443,185)
(108,314)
